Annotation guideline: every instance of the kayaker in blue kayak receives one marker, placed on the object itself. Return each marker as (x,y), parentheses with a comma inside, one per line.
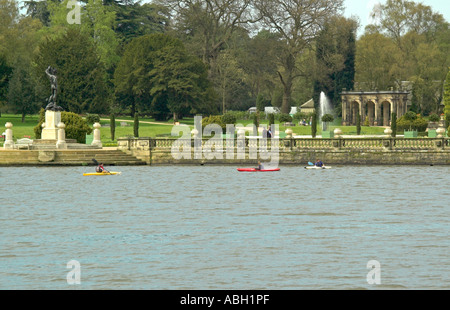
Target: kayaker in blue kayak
(319,163)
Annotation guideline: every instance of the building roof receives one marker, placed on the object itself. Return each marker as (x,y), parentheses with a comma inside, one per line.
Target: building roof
(308,104)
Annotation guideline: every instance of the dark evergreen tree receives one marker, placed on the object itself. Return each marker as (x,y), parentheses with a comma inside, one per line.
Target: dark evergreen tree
(156,75)
(5,75)
(136,125)
(81,75)
(335,58)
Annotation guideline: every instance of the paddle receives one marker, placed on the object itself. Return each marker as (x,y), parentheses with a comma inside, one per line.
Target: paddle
(310,163)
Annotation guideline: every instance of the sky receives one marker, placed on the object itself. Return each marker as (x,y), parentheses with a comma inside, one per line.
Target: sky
(363,8)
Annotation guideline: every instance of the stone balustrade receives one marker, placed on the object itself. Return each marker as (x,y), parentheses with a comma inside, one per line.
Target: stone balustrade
(286,144)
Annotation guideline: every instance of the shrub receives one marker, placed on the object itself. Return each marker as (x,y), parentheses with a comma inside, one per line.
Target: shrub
(92,118)
(394,125)
(285,118)
(314,125)
(405,123)
(213,119)
(271,119)
(299,116)
(434,118)
(327,118)
(76,127)
(409,116)
(358,124)
(228,118)
(113,126)
(136,125)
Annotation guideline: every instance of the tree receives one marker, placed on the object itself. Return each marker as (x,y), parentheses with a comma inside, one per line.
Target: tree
(335,59)
(447,98)
(376,62)
(136,125)
(157,75)
(22,98)
(134,19)
(314,125)
(112,126)
(421,49)
(298,23)
(394,125)
(81,74)
(358,124)
(5,75)
(208,24)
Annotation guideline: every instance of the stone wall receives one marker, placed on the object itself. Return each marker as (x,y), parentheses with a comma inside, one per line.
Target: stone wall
(367,151)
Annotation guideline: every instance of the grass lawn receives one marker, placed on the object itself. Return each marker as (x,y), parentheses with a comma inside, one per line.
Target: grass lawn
(20,130)
(148,127)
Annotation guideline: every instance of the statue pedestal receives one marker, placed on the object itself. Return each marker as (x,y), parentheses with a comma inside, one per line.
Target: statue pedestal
(50,130)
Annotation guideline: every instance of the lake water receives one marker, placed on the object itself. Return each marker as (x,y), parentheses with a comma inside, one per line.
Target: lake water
(211,227)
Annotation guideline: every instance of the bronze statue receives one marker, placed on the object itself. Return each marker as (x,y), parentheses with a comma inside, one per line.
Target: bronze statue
(51,73)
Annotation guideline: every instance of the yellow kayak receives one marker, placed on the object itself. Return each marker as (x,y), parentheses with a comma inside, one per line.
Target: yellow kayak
(102,173)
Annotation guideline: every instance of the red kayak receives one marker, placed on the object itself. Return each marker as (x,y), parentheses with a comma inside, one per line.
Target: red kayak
(256,170)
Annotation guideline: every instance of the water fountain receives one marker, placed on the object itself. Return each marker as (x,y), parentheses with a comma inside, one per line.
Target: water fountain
(324,108)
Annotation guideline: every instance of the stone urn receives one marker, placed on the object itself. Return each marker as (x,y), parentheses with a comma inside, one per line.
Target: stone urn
(388,132)
(287,141)
(337,133)
(440,132)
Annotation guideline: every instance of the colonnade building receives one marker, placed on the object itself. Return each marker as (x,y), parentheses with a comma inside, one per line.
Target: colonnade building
(376,106)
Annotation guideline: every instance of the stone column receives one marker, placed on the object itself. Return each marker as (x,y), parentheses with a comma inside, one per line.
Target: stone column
(344,112)
(97,142)
(377,114)
(61,143)
(9,142)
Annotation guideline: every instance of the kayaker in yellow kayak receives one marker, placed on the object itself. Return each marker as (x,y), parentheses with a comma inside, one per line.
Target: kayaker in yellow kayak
(100,168)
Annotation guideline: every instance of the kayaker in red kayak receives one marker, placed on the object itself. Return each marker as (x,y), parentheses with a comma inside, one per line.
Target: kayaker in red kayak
(260,166)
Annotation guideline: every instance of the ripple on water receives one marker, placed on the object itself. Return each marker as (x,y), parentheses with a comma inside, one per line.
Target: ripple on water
(209,227)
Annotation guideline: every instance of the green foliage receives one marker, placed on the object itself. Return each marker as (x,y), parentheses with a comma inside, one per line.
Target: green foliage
(434,117)
(314,125)
(260,103)
(447,98)
(394,125)
(256,119)
(416,123)
(5,75)
(92,118)
(358,124)
(76,127)
(214,120)
(409,116)
(112,126)
(136,125)
(82,88)
(21,91)
(327,118)
(229,118)
(271,119)
(300,116)
(157,75)
(285,118)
